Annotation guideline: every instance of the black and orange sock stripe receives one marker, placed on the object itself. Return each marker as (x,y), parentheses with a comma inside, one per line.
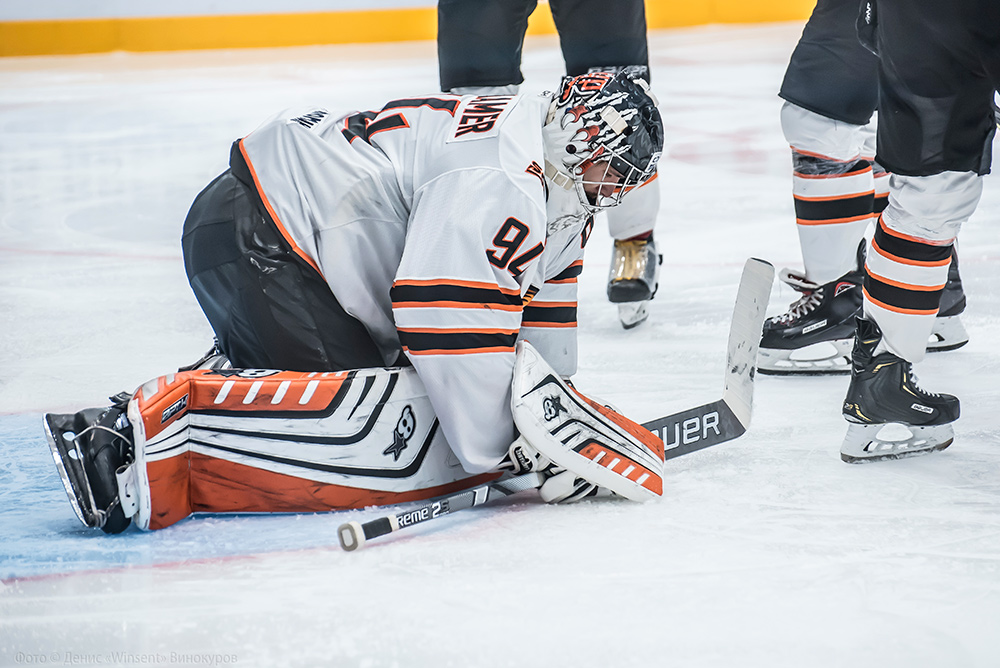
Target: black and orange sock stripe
(900,296)
(847,206)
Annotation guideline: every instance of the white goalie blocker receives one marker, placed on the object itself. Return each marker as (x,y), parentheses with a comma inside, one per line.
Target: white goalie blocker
(591,441)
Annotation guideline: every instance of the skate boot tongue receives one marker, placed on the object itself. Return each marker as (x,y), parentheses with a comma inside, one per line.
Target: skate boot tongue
(797,282)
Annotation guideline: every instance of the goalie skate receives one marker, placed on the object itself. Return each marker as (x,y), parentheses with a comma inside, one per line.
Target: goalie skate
(90,449)
(949,332)
(891,416)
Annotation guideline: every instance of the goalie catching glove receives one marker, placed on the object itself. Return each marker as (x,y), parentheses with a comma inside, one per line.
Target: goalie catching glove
(583,448)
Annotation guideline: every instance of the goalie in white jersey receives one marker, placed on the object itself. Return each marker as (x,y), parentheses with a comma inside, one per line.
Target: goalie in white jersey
(435,232)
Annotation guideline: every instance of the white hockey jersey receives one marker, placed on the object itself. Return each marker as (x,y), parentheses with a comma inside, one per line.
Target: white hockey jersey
(433,224)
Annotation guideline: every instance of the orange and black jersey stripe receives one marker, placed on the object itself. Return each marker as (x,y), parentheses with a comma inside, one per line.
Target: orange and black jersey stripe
(569,274)
(453,294)
(550,314)
(431,341)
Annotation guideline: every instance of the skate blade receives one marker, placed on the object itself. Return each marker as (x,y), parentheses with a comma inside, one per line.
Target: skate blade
(948,334)
(633,314)
(826,358)
(869,443)
(69,466)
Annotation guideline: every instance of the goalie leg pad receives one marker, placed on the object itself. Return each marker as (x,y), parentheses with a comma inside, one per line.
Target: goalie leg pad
(581,436)
(252,440)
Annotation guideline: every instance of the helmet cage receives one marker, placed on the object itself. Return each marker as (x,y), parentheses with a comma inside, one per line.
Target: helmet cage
(619,170)
(613,119)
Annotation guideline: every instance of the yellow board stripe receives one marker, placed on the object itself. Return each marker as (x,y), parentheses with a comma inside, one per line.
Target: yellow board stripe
(28,38)
(73,36)
(676,13)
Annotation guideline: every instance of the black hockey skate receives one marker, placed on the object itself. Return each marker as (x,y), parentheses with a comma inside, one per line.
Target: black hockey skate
(91,448)
(633,279)
(814,337)
(948,332)
(884,391)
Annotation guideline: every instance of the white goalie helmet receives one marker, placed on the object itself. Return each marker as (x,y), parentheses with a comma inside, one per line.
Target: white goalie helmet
(609,119)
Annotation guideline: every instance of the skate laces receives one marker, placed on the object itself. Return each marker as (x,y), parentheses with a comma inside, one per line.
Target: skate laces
(807,303)
(99,427)
(915,382)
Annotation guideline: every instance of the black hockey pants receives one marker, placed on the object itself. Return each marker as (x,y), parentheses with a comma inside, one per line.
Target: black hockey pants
(268,307)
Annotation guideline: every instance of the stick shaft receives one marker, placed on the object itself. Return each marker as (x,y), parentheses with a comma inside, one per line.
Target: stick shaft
(354,535)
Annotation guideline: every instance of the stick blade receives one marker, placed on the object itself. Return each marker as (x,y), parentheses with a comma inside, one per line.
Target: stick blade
(744,337)
(728,418)
(696,428)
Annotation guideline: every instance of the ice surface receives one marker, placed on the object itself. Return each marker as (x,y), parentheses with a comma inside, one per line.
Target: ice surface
(767,551)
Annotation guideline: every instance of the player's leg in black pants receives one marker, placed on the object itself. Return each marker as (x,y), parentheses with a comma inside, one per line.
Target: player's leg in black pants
(593,34)
(479,41)
(269,308)
(830,73)
(939,66)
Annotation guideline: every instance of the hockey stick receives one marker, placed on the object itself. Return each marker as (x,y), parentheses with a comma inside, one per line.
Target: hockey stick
(354,535)
(682,433)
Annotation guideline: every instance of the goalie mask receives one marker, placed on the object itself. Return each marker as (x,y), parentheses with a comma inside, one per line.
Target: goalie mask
(603,135)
